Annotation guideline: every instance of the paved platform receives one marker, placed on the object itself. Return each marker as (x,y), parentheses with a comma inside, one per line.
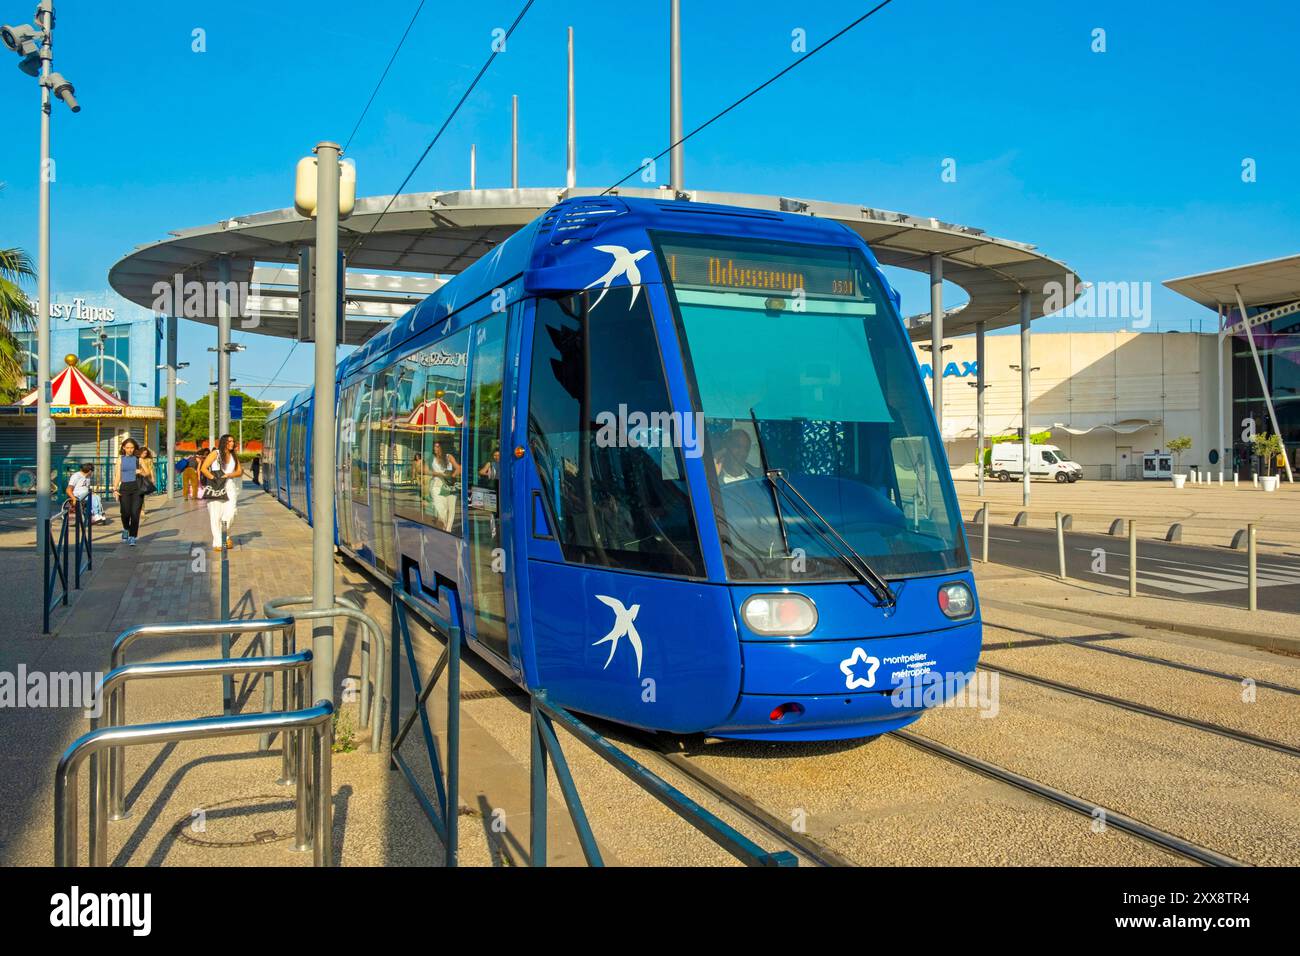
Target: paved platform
(172,574)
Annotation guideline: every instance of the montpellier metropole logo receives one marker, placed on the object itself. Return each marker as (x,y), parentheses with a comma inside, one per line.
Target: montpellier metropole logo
(848,667)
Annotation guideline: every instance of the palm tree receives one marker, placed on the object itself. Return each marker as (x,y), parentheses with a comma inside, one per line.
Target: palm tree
(16,315)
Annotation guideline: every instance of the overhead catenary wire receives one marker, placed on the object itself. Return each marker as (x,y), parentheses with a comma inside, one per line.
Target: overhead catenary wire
(360,119)
(443,128)
(287,356)
(705,125)
(398,49)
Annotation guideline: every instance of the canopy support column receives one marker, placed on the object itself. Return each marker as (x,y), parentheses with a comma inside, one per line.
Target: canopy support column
(1024,392)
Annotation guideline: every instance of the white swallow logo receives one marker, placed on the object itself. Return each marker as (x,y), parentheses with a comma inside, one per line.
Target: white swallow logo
(624,264)
(859,656)
(623,618)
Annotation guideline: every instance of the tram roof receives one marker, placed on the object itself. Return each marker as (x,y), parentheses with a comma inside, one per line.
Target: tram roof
(441,233)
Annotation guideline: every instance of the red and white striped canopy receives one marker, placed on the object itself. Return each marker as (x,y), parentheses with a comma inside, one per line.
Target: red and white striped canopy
(434,413)
(71,387)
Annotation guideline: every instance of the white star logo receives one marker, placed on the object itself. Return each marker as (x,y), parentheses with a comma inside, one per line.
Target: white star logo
(624,264)
(859,656)
(623,618)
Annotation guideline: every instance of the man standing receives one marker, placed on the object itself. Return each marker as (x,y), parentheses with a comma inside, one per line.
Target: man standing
(190,476)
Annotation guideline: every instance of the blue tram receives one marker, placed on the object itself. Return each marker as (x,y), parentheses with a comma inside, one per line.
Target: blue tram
(679,462)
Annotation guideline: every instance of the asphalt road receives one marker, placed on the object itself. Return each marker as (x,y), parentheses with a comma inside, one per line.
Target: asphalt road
(1214,575)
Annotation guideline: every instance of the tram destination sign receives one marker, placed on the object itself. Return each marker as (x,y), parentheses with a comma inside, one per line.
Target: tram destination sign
(819,272)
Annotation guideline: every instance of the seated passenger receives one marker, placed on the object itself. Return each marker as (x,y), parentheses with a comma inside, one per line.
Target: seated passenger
(731,463)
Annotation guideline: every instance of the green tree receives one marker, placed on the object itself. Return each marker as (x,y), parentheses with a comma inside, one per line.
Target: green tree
(1179,445)
(16,315)
(192,418)
(1268,447)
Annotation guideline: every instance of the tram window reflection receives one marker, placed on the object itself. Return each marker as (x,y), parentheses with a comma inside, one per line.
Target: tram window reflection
(620,499)
(428,412)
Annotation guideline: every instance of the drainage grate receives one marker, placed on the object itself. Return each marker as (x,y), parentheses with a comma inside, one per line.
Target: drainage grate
(493,692)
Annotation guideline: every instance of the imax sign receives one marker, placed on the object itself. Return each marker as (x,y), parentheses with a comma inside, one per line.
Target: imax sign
(951,370)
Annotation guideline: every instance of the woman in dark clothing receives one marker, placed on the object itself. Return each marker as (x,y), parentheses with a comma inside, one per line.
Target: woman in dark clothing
(130,494)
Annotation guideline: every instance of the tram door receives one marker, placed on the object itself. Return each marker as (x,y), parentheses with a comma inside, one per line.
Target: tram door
(481,470)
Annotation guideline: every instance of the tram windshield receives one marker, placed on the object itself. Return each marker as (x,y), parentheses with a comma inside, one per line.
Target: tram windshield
(798,364)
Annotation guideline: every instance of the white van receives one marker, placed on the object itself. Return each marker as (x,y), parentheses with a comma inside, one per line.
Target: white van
(1045,461)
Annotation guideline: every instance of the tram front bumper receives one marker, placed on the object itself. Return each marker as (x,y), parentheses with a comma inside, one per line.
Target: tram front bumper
(823,690)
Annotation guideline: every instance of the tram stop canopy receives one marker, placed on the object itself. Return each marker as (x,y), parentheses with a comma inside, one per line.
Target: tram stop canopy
(396,247)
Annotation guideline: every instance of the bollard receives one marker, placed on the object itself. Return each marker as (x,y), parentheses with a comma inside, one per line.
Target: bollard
(1234,482)
(227,682)
(1132,559)
(1060,547)
(1251,576)
(984,531)
(1220,479)
(1254,480)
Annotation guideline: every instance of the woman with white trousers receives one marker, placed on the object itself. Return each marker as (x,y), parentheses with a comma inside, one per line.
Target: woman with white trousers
(221,472)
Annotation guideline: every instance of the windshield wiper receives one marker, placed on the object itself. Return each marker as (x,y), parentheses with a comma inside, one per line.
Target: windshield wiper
(843,550)
(768,472)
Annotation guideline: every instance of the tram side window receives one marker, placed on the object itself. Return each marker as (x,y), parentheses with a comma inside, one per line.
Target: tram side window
(429,408)
(619,496)
(361,444)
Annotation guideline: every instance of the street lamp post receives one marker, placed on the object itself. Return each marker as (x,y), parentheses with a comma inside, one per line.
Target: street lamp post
(35,44)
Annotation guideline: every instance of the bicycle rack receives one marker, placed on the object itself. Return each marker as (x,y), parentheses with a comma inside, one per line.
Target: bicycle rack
(372,664)
(117,701)
(314,809)
(57,569)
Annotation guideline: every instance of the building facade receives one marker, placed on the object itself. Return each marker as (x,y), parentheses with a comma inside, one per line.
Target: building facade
(1107,398)
(120,341)
(121,344)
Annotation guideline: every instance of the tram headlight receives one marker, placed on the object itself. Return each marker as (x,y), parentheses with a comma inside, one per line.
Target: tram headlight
(785,615)
(955,600)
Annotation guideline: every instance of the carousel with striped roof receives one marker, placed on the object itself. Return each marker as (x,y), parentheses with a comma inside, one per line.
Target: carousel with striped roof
(89,423)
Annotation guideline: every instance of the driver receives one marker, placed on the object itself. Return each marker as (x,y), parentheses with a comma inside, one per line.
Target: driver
(732,460)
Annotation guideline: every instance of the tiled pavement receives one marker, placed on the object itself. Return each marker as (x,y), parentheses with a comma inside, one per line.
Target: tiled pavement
(172,574)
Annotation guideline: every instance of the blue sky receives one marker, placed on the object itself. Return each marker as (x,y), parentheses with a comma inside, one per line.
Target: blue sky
(1125,164)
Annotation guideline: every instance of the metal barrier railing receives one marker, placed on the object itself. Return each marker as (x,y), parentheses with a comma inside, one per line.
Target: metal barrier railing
(443,809)
(372,664)
(314,808)
(114,684)
(116,703)
(546,745)
(60,576)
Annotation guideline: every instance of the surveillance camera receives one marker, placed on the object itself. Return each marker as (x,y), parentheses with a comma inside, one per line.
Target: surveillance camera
(63,90)
(18,38)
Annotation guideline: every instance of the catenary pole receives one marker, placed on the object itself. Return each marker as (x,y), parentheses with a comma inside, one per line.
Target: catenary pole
(323,426)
